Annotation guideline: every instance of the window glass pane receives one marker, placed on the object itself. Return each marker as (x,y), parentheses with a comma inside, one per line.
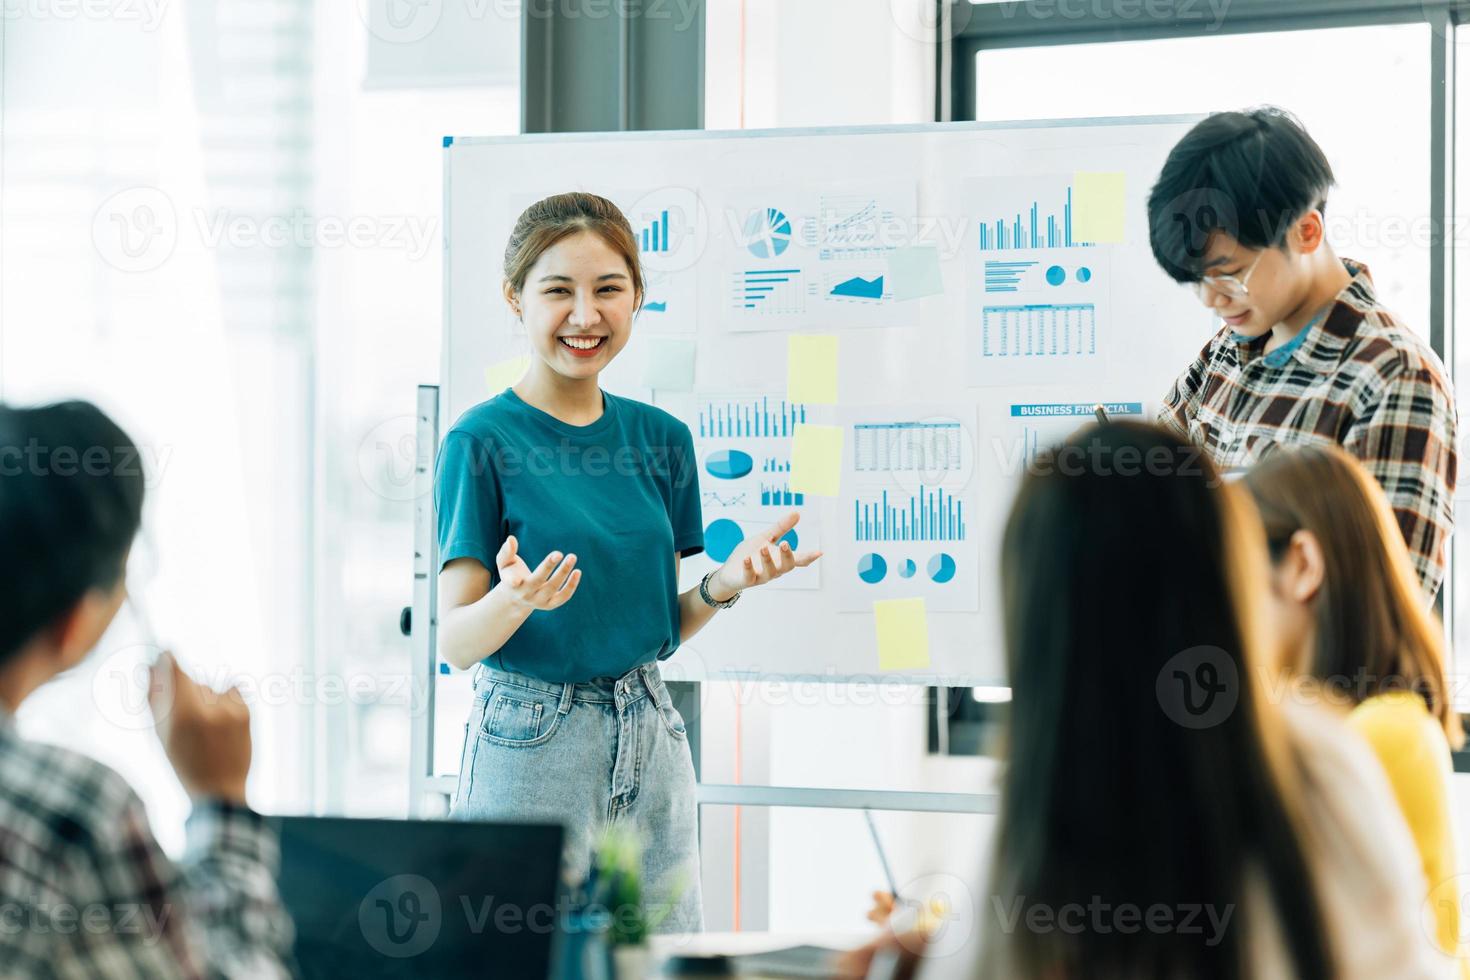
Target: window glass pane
(144,153)
(1375,132)
(215,231)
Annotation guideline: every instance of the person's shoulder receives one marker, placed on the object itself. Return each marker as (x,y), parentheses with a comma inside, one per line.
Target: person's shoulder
(1391,349)
(491,424)
(53,796)
(483,420)
(1328,748)
(1215,355)
(655,420)
(1398,726)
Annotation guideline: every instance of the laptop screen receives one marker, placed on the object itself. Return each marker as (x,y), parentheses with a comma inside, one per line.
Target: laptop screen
(421,898)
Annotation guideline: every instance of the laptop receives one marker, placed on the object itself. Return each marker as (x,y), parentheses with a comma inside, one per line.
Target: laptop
(421,898)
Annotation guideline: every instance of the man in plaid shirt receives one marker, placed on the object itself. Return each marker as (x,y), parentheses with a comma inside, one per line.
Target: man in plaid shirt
(1306,354)
(85,891)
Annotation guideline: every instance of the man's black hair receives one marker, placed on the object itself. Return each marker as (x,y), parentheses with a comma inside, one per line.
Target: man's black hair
(71,502)
(1248,174)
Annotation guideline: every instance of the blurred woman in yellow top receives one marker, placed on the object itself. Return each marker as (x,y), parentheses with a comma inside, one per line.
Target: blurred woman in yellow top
(1352,612)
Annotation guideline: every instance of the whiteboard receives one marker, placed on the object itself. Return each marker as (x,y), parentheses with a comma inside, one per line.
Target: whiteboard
(780,232)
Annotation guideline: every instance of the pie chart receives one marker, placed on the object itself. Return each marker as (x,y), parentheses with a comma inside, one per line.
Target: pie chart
(767,233)
(908,568)
(941,568)
(872,568)
(728,464)
(721,539)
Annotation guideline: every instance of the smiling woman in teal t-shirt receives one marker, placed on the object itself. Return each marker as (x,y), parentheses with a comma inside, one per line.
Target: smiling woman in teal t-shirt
(563,512)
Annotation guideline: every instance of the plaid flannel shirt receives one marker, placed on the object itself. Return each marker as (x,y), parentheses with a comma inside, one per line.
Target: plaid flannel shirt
(85,891)
(1360,380)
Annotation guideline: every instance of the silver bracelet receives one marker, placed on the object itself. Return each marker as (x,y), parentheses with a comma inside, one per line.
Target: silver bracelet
(710,600)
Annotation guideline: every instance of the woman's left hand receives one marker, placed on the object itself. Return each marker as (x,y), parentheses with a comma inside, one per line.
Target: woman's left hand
(760,559)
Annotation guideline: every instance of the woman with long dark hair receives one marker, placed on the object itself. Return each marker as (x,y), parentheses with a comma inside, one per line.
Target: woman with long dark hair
(1160,817)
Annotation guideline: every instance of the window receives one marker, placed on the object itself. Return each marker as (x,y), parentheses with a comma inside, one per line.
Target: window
(1374,130)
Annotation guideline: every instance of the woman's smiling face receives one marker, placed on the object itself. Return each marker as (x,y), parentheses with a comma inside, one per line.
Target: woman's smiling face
(578,305)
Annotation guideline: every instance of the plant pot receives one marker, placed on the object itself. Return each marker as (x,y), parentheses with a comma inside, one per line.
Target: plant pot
(632,962)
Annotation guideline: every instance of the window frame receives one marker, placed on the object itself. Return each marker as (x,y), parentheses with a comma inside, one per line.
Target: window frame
(971,28)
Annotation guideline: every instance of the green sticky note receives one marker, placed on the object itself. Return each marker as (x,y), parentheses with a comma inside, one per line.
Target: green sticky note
(816,460)
(1099,207)
(903,634)
(670,364)
(913,273)
(503,374)
(811,369)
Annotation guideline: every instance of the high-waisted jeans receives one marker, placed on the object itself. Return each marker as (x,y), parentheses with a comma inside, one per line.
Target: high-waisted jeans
(586,755)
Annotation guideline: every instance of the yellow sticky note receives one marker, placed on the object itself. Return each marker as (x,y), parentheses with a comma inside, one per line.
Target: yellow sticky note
(502,375)
(811,369)
(1099,207)
(816,460)
(903,634)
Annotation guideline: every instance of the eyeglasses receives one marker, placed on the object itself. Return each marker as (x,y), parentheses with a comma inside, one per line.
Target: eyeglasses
(1228,285)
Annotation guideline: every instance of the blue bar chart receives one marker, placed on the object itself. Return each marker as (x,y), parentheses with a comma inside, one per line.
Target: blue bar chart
(1039,330)
(1030,445)
(757,418)
(779,494)
(928,515)
(655,236)
(1031,228)
(1044,425)
(1006,277)
(771,291)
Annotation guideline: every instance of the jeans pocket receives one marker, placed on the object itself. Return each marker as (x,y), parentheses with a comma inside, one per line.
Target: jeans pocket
(673,721)
(520,716)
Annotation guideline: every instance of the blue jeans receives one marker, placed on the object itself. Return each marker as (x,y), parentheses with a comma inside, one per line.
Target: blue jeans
(585,755)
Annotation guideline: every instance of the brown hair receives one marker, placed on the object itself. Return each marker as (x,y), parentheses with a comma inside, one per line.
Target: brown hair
(551,219)
(1375,631)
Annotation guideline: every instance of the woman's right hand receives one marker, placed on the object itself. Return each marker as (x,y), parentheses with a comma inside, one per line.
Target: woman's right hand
(882,909)
(549,586)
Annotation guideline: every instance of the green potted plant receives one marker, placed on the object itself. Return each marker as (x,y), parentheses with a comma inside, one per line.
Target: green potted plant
(617,886)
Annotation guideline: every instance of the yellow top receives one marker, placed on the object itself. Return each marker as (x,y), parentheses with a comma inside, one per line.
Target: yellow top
(1411,746)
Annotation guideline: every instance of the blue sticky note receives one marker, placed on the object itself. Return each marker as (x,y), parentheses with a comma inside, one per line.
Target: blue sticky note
(913,272)
(670,364)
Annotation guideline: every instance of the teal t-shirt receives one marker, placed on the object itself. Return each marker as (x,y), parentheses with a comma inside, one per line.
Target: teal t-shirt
(622,494)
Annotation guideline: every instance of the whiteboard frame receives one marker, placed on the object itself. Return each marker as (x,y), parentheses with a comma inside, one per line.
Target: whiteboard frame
(653,135)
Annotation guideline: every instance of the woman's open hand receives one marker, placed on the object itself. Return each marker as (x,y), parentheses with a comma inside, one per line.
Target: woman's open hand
(549,586)
(760,559)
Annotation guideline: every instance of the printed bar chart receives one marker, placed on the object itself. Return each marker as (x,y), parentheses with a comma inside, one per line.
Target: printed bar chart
(750,418)
(1039,330)
(655,237)
(780,495)
(768,291)
(925,516)
(1006,277)
(891,447)
(1030,229)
